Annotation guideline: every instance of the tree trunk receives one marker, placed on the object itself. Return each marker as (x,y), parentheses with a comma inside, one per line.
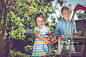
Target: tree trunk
(7,48)
(1,46)
(4,26)
(7,39)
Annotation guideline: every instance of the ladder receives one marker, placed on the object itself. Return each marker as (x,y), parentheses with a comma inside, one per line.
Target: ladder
(71,28)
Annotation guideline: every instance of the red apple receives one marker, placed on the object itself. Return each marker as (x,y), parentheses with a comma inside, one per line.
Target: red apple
(34,6)
(48,34)
(54,36)
(48,38)
(29,4)
(18,31)
(19,12)
(16,20)
(53,39)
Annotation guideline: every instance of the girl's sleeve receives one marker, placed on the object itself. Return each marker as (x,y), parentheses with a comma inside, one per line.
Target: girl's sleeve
(74,28)
(48,30)
(36,29)
(57,28)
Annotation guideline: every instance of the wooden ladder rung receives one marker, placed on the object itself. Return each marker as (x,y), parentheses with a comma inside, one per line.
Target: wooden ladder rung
(73,52)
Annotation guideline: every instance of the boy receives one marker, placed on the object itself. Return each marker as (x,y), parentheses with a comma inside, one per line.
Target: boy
(62,28)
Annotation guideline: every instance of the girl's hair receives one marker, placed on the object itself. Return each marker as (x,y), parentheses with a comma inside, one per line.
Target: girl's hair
(66,7)
(40,14)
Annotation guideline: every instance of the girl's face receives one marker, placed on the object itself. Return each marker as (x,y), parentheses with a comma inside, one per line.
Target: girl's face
(66,14)
(40,21)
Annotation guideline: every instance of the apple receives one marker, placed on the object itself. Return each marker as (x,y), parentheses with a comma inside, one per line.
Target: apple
(18,31)
(19,12)
(47,6)
(16,20)
(53,39)
(63,35)
(48,38)
(29,4)
(54,36)
(48,34)
(34,6)
(45,36)
(27,10)
(80,32)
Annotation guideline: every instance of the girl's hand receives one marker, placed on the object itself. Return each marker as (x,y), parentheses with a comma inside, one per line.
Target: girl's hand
(47,41)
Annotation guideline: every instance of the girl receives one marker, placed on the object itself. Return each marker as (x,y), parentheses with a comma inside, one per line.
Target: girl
(40,48)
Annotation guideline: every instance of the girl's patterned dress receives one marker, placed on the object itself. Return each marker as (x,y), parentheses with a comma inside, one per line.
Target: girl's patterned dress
(40,48)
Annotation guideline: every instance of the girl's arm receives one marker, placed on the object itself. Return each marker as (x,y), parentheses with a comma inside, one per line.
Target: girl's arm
(41,38)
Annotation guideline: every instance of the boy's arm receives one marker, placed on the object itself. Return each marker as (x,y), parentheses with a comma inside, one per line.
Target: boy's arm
(74,30)
(57,29)
(57,32)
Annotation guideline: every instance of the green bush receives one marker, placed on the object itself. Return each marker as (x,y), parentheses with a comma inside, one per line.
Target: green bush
(14,53)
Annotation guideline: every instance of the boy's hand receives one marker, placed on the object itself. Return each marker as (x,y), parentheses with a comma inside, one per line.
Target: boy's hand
(76,34)
(61,36)
(58,36)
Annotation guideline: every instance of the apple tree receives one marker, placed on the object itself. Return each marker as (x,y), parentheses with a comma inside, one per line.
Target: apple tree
(17,20)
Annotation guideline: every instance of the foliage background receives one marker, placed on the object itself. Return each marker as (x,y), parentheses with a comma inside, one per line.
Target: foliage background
(17,24)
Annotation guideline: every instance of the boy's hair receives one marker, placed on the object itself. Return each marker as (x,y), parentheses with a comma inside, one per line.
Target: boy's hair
(40,14)
(66,7)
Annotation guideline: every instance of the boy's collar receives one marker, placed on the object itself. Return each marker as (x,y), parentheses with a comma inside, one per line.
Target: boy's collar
(65,21)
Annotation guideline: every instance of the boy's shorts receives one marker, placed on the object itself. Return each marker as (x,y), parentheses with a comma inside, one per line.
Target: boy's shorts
(60,47)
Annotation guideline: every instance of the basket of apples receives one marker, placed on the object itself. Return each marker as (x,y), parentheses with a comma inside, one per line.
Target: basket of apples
(51,37)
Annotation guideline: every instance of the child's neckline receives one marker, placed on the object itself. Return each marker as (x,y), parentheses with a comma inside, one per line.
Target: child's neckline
(66,20)
(41,27)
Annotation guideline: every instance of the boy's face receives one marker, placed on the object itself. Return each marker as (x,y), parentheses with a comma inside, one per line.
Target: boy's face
(66,14)
(40,21)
